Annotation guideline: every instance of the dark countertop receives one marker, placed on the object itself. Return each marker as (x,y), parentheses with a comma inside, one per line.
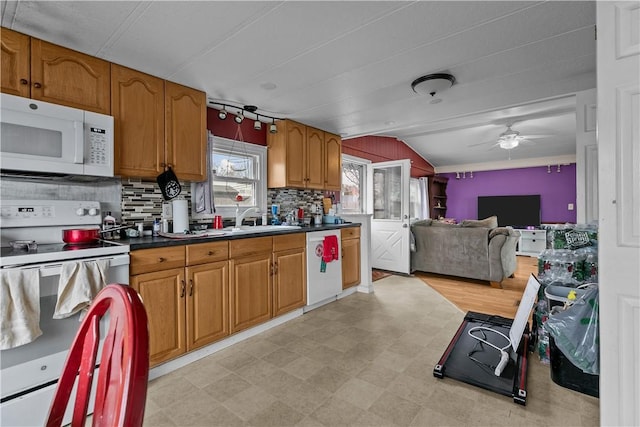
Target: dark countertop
(136,243)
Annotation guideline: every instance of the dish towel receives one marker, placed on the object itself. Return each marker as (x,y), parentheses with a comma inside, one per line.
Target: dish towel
(19,307)
(330,245)
(79,283)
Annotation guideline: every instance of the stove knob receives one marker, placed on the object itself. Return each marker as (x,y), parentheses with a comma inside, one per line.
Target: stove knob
(80,211)
(93,212)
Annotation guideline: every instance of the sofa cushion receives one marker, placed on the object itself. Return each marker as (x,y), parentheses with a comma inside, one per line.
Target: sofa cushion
(499,230)
(490,222)
(443,224)
(422,223)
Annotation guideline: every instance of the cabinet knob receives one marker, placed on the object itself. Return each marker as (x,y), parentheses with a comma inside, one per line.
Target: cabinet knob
(161,259)
(37,85)
(210,253)
(24,81)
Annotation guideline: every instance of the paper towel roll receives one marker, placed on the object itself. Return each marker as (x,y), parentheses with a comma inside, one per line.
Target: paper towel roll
(180,216)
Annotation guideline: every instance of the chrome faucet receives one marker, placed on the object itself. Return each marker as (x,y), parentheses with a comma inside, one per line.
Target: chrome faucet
(240,216)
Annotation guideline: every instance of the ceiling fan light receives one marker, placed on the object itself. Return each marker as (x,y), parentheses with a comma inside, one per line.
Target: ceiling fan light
(508,143)
(432,83)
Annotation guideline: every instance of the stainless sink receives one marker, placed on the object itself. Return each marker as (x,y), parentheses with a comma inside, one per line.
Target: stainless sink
(248,229)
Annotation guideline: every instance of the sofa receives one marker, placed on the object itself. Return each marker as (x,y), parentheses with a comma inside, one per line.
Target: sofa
(476,249)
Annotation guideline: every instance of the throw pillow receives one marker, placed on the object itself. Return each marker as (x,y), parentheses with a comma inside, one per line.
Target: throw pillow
(491,222)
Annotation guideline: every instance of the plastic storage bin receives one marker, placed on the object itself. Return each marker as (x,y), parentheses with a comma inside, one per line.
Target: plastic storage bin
(566,374)
(558,295)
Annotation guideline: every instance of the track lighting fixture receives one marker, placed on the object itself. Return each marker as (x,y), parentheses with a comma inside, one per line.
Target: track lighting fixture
(252,110)
(471,174)
(558,170)
(548,168)
(457,175)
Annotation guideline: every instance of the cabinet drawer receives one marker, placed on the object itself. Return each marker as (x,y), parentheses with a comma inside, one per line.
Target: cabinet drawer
(350,233)
(251,246)
(289,241)
(202,253)
(157,259)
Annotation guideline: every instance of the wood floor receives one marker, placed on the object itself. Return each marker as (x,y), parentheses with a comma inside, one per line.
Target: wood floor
(478,295)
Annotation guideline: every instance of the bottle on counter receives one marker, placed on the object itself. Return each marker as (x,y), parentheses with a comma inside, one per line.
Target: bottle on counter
(156,227)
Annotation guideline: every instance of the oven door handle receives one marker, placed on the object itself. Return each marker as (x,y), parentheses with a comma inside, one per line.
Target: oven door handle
(54,269)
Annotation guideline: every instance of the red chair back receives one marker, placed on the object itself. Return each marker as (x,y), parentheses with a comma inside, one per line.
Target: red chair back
(124,365)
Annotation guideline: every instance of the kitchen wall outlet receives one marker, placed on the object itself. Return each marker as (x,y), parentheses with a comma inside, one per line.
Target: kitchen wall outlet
(570,206)
(167,210)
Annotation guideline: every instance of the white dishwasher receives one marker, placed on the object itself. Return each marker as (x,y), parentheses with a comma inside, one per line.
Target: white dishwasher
(324,279)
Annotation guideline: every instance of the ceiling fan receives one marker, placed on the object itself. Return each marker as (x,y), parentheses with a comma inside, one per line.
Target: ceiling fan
(509,139)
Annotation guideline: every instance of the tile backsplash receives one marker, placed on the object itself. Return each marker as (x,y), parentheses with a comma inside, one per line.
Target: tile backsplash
(134,200)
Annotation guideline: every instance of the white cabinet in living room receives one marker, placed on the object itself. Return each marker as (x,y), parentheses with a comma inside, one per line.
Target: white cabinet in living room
(531,242)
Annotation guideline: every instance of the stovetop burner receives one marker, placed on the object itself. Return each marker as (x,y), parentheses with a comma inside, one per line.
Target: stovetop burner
(60,251)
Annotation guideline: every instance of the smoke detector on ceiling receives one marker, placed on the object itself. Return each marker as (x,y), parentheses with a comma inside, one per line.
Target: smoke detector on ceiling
(432,83)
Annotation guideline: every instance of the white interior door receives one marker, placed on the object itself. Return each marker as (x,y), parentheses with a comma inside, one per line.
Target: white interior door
(390,223)
(618,63)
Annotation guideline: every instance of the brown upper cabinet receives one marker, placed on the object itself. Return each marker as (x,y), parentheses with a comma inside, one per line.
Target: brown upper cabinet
(301,156)
(158,124)
(39,70)
(185,127)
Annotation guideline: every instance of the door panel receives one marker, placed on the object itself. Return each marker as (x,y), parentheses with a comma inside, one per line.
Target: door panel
(619,210)
(390,223)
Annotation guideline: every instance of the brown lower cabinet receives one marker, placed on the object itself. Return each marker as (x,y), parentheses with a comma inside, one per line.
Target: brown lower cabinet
(350,240)
(187,306)
(198,294)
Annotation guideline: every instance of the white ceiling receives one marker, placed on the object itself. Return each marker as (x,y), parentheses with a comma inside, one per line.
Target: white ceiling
(347,66)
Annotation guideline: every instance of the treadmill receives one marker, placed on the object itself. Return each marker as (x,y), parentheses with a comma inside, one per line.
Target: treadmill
(491,352)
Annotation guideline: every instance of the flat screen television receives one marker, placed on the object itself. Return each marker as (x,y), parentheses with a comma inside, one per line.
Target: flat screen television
(516,211)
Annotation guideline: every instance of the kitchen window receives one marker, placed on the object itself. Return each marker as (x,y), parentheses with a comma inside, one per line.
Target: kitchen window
(237,178)
(353,195)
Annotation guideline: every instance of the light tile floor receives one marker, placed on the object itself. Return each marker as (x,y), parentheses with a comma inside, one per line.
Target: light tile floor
(365,360)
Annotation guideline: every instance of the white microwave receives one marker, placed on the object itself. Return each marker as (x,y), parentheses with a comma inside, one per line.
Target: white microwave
(38,136)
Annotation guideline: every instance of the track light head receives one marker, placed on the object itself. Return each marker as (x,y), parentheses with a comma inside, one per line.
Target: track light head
(239,117)
(257,124)
(222,114)
(273,128)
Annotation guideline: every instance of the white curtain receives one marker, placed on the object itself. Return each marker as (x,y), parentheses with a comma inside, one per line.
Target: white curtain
(423,188)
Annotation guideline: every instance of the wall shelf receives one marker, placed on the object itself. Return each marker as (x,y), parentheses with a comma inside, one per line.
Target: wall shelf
(438,196)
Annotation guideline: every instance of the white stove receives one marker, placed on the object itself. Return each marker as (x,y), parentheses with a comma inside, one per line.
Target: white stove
(29,372)
(43,222)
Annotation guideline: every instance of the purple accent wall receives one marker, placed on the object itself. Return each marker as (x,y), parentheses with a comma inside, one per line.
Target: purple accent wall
(556,190)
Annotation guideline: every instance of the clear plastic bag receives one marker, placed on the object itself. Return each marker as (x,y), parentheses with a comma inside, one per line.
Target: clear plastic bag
(576,331)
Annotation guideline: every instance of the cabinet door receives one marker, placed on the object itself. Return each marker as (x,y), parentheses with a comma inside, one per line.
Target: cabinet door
(186,131)
(315,158)
(333,162)
(350,262)
(137,105)
(250,291)
(64,76)
(16,75)
(163,294)
(207,303)
(296,168)
(289,281)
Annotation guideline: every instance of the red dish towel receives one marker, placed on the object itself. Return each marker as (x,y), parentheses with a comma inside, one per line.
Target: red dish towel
(330,248)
